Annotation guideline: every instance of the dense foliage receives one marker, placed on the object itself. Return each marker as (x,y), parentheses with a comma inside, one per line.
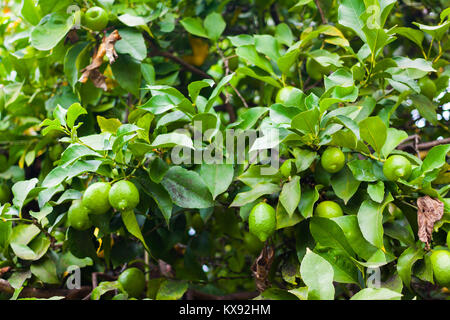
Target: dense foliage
(92,103)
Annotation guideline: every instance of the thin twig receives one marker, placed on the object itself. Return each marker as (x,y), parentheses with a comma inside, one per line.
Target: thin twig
(324,20)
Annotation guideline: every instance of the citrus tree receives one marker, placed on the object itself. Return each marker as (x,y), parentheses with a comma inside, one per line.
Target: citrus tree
(120,128)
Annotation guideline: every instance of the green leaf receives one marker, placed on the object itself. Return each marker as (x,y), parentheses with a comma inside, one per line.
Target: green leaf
(374,132)
(437,32)
(328,233)
(376,191)
(187,189)
(435,158)
(259,74)
(370,220)
(30,11)
(172,139)
(21,190)
(406,262)
(194,26)
(217,177)
(317,273)
(376,294)
(267,45)
(362,170)
(195,87)
(108,125)
(103,288)
(127,72)
(290,195)
(283,34)
(393,139)
(45,271)
(349,13)
(412,34)
(74,111)
(214,25)
(250,54)
(307,122)
(427,108)
(132,42)
(350,227)
(256,192)
(50,30)
(344,184)
(307,200)
(130,222)
(171,290)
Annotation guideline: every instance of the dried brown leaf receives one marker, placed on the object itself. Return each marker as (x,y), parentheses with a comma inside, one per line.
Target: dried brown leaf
(105,48)
(429,211)
(261,268)
(72,37)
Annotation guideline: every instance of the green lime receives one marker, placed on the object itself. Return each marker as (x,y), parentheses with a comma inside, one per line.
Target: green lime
(288,168)
(95,198)
(124,196)
(396,167)
(427,87)
(262,221)
(289,96)
(96,18)
(132,281)
(332,160)
(78,216)
(5,194)
(328,209)
(440,260)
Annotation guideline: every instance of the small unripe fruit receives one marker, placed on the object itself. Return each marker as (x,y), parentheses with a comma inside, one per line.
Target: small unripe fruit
(396,167)
(332,160)
(328,209)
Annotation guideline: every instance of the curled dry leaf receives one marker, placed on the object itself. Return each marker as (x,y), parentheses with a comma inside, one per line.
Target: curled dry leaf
(261,268)
(72,37)
(166,269)
(430,210)
(105,48)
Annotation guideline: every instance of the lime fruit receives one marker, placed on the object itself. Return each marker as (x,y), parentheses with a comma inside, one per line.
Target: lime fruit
(396,167)
(427,87)
(132,281)
(332,160)
(96,18)
(262,221)
(95,198)
(78,216)
(440,260)
(124,196)
(328,209)
(289,96)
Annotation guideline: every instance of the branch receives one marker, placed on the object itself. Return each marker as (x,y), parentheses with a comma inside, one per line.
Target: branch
(198,295)
(156,52)
(324,20)
(420,146)
(69,294)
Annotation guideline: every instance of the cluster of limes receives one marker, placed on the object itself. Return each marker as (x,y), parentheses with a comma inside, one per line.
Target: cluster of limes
(98,198)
